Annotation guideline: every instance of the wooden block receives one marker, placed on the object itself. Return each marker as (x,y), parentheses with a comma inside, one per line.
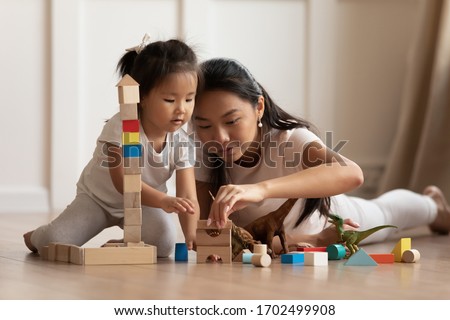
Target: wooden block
(132,217)
(51,251)
(135,244)
(292,258)
(411,256)
(120,255)
(114,244)
(129,138)
(336,252)
(62,252)
(131,234)
(382,257)
(132,150)
(239,257)
(129,111)
(360,258)
(76,255)
(247,257)
(128,90)
(130,125)
(402,245)
(212,237)
(203,252)
(133,165)
(261,260)
(132,200)
(316,258)
(312,249)
(132,183)
(201,224)
(44,253)
(260,248)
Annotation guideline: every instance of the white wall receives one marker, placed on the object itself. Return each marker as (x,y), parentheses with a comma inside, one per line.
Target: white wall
(340,63)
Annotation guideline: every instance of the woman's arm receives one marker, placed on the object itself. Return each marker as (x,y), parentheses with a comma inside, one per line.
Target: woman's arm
(185,189)
(326,173)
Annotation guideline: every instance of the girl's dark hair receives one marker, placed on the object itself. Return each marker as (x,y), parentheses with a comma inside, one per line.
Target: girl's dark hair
(157,60)
(230,75)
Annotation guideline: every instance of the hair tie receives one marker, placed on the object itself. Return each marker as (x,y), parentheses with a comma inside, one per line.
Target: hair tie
(145,41)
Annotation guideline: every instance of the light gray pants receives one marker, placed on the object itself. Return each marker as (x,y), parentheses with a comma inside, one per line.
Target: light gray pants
(84,218)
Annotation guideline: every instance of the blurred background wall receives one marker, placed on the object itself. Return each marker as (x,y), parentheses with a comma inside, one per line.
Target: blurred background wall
(339,63)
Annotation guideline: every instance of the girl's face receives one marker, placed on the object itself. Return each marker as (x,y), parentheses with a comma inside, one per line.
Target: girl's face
(227,123)
(168,106)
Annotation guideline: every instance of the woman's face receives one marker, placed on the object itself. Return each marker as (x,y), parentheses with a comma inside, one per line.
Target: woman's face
(226,123)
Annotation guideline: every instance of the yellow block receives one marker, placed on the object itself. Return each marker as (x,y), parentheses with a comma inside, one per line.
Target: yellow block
(401,246)
(130,138)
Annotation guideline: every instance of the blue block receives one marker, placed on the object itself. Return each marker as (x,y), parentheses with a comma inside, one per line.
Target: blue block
(181,252)
(336,252)
(291,258)
(247,257)
(360,258)
(132,150)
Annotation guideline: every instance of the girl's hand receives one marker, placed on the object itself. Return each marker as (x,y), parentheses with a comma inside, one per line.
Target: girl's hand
(329,235)
(231,198)
(177,205)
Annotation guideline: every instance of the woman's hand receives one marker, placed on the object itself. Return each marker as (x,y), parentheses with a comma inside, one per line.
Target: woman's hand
(329,235)
(231,198)
(177,205)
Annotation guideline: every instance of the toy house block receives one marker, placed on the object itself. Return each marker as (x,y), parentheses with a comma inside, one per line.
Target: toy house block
(132,150)
(402,245)
(132,234)
(129,111)
(411,256)
(204,253)
(382,257)
(131,125)
(120,255)
(132,200)
(201,224)
(135,244)
(181,252)
(209,237)
(62,252)
(132,217)
(132,183)
(312,249)
(336,252)
(76,255)
(261,260)
(128,90)
(293,258)
(132,165)
(316,258)
(360,258)
(239,257)
(260,248)
(130,138)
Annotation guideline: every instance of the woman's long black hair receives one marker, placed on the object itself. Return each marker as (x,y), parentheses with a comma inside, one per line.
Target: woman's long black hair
(230,75)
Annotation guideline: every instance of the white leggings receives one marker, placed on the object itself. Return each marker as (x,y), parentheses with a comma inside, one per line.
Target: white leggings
(84,218)
(402,208)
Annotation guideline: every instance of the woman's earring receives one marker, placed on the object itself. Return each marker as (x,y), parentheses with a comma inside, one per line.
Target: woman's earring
(259,123)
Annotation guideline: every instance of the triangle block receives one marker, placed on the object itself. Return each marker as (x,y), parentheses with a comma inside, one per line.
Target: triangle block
(360,258)
(401,246)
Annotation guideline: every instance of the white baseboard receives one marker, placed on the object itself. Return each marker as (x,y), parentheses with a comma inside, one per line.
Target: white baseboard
(24,200)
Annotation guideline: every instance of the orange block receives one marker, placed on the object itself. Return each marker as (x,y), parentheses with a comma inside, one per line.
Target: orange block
(383,257)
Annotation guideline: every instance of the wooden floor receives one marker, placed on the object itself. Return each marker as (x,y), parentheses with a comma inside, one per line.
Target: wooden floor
(25,276)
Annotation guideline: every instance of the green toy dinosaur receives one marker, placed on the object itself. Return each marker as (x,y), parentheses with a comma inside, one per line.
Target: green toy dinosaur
(351,238)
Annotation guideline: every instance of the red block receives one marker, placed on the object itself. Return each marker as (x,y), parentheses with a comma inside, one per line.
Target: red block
(130,125)
(313,249)
(382,257)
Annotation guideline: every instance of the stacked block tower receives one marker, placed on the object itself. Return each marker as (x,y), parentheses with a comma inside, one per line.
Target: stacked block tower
(132,155)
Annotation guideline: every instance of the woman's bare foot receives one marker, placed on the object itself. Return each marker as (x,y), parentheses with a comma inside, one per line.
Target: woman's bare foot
(441,224)
(27,240)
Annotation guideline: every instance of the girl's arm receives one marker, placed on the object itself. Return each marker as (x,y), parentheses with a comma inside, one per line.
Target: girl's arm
(326,173)
(185,189)
(150,197)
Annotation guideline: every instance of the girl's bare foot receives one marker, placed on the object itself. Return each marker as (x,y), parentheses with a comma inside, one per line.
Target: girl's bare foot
(27,240)
(441,224)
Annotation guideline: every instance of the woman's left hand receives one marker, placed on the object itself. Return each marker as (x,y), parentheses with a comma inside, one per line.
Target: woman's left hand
(231,198)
